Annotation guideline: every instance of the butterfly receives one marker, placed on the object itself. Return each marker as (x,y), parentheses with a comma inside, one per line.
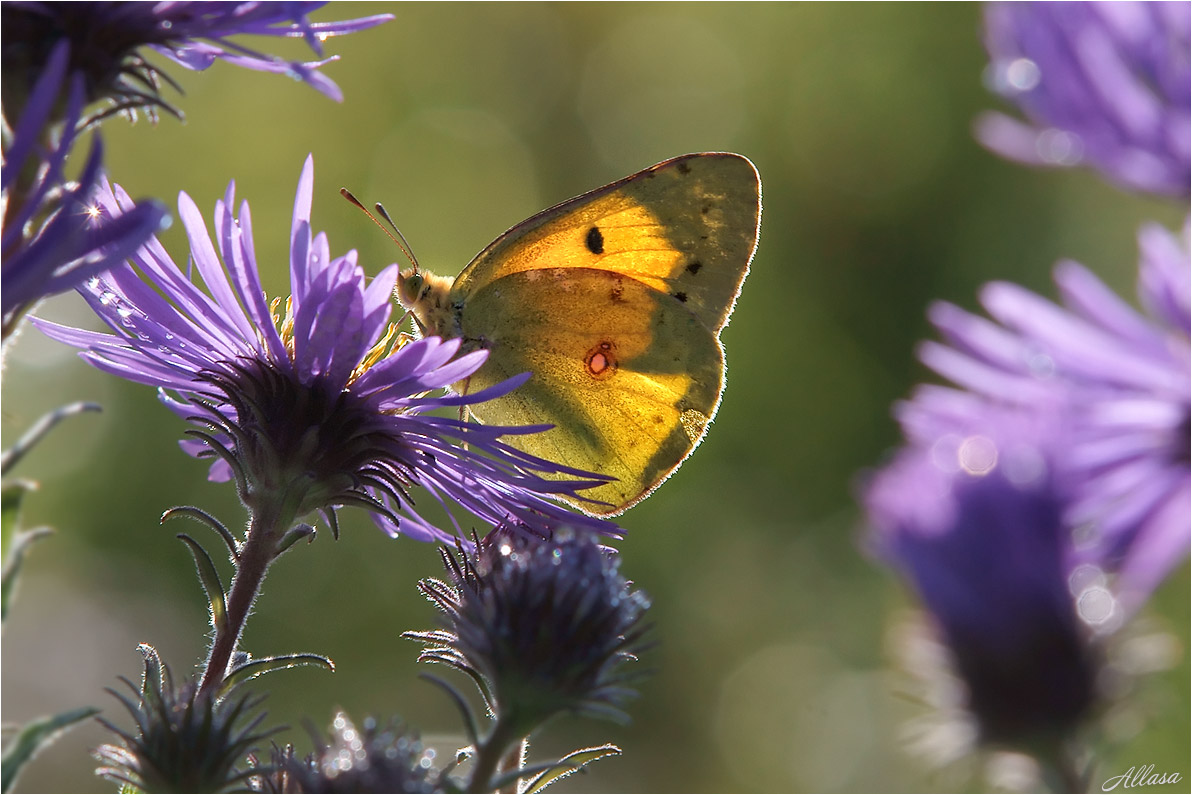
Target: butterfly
(614,300)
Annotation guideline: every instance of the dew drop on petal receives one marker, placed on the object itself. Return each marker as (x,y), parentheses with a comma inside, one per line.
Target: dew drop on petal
(1041,365)
(1085,535)
(1084,577)
(1059,148)
(1096,606)
(977,455)
(1026,467)
(944,453)
(1022,74)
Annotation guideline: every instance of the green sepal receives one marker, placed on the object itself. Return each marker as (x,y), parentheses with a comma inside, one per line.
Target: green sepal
(550,772)
(35,736)
(471,726)
(264,665)
(207,520)
(209,577)
(157,679)
(293,536)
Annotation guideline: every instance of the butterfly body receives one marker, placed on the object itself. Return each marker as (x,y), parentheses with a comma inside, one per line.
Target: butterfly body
(614,300)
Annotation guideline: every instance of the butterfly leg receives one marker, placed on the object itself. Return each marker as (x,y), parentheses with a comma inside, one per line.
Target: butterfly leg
(463,410)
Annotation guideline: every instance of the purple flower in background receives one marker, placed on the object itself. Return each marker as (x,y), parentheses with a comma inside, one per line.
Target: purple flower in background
(973,518)
(51,241)
(57,58)
(105,41)
(1120,379)
(1100,83)
(320,403)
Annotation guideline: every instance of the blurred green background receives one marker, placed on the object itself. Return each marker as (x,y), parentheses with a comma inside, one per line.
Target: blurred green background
(773,664)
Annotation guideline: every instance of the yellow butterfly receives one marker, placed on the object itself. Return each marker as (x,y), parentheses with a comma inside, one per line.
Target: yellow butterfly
(614,300)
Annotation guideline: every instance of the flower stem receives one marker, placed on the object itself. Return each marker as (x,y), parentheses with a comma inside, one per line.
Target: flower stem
(492,754)
(1064,768)
(256,554)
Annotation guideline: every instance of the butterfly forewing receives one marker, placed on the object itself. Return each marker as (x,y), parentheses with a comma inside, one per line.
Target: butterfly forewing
(687,227)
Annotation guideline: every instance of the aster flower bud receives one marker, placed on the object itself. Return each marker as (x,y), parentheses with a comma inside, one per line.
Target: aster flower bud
(544,625)
(541,627)
(375,758)
(185,740)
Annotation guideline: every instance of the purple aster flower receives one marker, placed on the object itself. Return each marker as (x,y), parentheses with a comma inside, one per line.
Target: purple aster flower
(105,40)
(973,517)
(1100,83)
(51,240)
(1120,379)
(319,404)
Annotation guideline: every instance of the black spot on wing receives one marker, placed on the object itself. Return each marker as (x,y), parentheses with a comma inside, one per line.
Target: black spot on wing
(683,167)
(682,297)
(595,241)
(693,268)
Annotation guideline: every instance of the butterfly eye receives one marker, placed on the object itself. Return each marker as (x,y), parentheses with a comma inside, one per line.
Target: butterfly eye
(409,286)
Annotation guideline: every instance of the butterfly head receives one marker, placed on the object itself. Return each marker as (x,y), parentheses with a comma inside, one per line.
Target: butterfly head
(427,297)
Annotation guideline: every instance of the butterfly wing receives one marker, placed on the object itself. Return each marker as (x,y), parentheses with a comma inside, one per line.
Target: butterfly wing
(614,300)
(687,226)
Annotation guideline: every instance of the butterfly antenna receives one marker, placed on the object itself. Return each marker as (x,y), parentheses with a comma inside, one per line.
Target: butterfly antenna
(405,246)
(399,240)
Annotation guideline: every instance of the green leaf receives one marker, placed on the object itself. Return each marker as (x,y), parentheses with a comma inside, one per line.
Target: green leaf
(265,665)
(216,600)
(35,736)
(569,764)
(10,511)
(10,457)
(15,542)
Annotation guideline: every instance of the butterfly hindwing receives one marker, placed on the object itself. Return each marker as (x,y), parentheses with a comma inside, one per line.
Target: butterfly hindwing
(627,375)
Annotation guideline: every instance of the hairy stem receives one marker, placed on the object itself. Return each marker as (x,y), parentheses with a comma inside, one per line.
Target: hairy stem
(493,753)
(256,554)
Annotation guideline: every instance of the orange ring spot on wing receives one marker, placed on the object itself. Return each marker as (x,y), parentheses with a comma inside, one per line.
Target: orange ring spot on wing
(601,360)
